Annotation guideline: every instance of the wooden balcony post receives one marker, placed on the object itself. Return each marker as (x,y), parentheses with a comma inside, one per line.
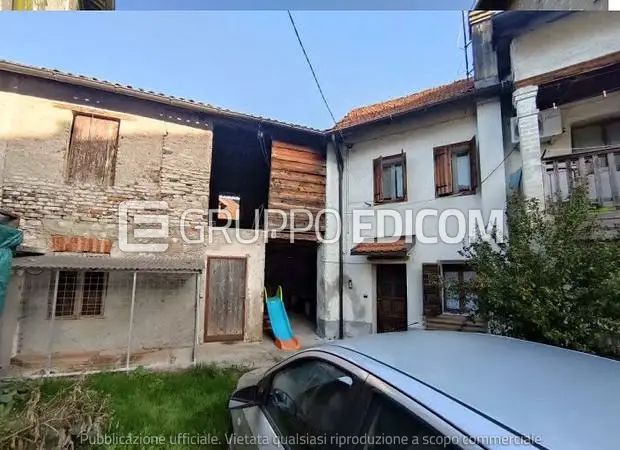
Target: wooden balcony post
(615,191)
(597,180)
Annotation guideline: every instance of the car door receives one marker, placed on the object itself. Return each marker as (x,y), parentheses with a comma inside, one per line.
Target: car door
(310,402)
(395,421)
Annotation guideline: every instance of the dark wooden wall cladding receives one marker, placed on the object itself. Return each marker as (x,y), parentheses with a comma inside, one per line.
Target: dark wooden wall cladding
(297,182)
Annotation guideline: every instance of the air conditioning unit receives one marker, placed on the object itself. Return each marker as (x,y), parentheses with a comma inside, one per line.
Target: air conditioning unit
(514,130)
(550,123)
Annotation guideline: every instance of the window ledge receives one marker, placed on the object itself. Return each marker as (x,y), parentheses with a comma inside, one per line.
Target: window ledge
(387,202)
(99,317)
(458,194)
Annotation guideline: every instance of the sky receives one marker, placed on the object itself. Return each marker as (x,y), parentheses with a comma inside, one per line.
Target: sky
(249,61)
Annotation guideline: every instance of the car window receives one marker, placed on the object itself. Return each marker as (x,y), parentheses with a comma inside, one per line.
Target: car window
(389,425)
(307,402)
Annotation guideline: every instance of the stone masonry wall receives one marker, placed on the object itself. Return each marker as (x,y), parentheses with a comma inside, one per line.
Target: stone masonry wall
(156,160)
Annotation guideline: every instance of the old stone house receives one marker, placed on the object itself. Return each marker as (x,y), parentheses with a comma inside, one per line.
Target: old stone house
(72,150)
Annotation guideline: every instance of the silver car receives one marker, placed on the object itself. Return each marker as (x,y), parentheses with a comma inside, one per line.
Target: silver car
(431,390)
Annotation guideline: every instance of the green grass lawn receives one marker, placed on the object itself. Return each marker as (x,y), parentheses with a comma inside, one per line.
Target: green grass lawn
(164,405)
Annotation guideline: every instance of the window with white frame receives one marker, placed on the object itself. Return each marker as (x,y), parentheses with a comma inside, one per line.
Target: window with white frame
(78,294)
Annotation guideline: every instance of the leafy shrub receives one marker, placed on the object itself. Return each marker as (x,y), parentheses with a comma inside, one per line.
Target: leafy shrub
(555,279)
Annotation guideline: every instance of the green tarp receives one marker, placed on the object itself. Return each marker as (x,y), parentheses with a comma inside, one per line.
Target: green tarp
(10,239)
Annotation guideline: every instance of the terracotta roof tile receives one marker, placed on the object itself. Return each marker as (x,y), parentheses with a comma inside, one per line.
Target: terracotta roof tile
(426,98)
(387,248)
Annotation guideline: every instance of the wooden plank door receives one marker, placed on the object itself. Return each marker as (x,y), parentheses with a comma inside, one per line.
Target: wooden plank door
(225,299)
(391,297)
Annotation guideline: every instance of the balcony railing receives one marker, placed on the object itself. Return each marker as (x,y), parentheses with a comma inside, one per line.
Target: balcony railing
(599,170)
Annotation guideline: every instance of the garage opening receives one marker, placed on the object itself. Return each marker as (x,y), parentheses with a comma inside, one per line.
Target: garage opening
(294,267)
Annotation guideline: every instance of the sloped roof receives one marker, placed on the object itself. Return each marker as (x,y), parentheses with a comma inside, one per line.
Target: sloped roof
(146,263)
(396,248)
(418,100)
(92,82)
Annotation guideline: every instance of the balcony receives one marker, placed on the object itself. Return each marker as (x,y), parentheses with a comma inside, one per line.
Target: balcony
(599,169)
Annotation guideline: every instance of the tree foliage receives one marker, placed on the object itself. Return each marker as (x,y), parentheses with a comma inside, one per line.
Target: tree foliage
(554,279)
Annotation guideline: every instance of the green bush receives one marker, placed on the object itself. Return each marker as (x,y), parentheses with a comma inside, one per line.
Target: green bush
(554,279)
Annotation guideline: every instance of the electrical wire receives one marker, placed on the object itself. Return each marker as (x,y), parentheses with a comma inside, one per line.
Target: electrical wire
(263,148)
(318,85)
(316,79)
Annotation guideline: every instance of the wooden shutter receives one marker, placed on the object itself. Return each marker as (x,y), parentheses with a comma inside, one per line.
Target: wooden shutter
(473,161)
(443,171)
(431,292)
(403,156)
(92,150)
(378,179)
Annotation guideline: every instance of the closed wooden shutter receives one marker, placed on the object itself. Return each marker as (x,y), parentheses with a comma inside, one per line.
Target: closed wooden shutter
(404,164)
(378,178)
(473,161)
(431,290)
(92,150)
(443,171)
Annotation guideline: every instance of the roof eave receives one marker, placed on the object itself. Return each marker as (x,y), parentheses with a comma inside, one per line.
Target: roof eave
(122,90)
(482,92)
(400,115)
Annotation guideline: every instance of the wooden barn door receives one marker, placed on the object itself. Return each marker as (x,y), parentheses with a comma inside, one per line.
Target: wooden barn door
(225,299)
(391,298)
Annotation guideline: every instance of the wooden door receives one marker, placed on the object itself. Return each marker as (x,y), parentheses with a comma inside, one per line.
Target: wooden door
(391,297)
(225,299)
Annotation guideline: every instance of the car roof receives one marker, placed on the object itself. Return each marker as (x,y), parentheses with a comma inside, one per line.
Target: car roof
(568,399)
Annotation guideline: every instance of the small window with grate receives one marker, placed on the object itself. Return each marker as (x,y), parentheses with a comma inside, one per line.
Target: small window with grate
(79,294)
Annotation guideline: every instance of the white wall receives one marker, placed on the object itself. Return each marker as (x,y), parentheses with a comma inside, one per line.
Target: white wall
(579,37)
(416,138)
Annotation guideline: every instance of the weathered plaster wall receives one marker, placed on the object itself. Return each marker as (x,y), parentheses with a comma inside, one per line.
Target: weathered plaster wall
(163,316)
(579,37)
(9,319)
(156,160)
(417,138)
(327,256)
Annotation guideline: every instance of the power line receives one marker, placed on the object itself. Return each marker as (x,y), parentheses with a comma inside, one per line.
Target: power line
(316,80)
(318,85)
(497,167)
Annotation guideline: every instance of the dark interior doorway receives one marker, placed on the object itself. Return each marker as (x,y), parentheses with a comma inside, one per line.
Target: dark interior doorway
(391,297)
(240,169)
(294,267)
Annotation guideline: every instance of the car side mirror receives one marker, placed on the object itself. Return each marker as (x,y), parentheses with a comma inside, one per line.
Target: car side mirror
(244,397)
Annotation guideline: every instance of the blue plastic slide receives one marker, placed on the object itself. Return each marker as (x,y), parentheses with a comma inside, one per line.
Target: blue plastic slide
(280,324)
